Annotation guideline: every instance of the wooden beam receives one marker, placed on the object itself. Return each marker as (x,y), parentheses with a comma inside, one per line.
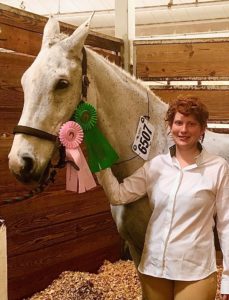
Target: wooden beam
(20,27)
(3,261)
(179,59)
(125,29)
(216,100)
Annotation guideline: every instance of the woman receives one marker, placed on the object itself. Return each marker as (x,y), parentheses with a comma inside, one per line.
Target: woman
(186,188)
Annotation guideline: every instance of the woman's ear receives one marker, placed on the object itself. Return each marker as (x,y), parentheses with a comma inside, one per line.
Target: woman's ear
(203,134)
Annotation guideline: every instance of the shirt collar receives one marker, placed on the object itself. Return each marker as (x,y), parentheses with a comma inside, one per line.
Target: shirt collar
(199,158)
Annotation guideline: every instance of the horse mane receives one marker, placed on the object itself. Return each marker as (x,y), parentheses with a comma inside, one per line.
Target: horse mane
(131,78)
(124,74)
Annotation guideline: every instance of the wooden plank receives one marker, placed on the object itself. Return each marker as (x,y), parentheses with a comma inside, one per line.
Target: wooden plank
(80,229)
(182,60)
(11,100)
(9,120)
(20,39)
(27,234)
(54,207)
(31,26)
(40,267)
(12,66)
(50,234)
(110,55)
(216,100)
(21,19)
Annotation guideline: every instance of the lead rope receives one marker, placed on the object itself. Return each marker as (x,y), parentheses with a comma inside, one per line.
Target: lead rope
(42,186)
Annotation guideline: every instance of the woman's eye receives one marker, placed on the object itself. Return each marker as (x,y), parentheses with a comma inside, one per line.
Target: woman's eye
(178,123)
(61,84)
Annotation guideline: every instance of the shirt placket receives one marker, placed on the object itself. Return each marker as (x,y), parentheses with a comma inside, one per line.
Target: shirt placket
(169,216)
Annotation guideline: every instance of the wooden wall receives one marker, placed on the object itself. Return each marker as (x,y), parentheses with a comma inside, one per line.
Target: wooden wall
(56,230)
(187,60)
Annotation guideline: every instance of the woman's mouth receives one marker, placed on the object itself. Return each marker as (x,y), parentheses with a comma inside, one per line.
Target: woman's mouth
(183,138)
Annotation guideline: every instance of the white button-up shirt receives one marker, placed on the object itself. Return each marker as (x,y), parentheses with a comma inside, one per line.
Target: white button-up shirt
(179,242)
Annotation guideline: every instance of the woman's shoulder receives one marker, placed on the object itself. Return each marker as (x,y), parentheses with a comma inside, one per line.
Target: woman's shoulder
(216,160)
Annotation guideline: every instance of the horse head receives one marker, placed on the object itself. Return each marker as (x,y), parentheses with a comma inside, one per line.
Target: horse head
(52,89)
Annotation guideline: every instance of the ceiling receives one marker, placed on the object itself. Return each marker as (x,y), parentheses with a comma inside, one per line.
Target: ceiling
(155,17)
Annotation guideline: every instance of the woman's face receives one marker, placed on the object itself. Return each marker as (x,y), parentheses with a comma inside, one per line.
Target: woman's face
(186,131)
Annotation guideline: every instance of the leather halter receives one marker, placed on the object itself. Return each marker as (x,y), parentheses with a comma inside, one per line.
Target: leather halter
(43,134)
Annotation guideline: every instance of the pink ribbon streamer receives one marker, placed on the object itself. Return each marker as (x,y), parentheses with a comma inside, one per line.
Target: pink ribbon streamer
(82,180)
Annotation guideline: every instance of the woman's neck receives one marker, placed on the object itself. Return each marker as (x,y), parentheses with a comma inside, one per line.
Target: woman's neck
(187,156)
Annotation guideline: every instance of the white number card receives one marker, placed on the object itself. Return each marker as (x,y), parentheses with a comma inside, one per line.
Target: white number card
(143,138)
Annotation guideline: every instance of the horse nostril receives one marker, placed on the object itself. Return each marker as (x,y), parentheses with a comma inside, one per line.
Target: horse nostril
(28,165)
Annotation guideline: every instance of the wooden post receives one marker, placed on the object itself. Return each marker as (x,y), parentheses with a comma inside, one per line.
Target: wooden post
(3,262)
(125,29)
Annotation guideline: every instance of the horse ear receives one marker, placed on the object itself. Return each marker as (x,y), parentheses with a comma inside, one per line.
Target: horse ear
(51,29)
(74,43)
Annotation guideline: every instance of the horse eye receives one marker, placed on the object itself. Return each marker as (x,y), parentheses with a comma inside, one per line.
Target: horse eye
(61,84)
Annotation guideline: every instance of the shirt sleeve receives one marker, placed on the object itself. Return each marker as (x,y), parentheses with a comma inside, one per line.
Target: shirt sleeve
(130,190)
(222,210)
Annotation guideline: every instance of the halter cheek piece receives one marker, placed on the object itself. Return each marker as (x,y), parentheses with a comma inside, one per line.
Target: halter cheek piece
(52,138)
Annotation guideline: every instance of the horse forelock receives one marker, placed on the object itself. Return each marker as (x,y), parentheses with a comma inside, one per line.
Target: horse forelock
(57,38)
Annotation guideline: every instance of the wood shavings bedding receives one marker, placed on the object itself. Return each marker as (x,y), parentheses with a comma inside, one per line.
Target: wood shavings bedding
(114,281)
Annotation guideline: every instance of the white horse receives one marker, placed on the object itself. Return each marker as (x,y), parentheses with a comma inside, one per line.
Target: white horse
(52,91)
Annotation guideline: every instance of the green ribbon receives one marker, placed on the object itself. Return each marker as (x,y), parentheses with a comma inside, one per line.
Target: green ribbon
(100,153)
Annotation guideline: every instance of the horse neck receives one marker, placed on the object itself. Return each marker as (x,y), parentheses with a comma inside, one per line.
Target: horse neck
(120,100)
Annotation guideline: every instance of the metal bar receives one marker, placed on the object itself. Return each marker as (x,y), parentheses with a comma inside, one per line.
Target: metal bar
(188,78)
(181,5)
(193,40)
(190,87)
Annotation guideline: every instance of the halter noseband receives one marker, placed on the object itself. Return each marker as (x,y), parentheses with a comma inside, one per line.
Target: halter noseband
(35,132)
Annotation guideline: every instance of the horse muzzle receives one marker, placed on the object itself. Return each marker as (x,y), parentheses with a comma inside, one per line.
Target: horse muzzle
(25,169)
(30,155)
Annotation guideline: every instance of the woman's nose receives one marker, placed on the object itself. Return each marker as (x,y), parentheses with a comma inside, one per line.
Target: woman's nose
(184,128)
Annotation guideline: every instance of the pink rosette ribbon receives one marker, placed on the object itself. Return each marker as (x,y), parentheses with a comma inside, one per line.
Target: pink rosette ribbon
(82,180)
